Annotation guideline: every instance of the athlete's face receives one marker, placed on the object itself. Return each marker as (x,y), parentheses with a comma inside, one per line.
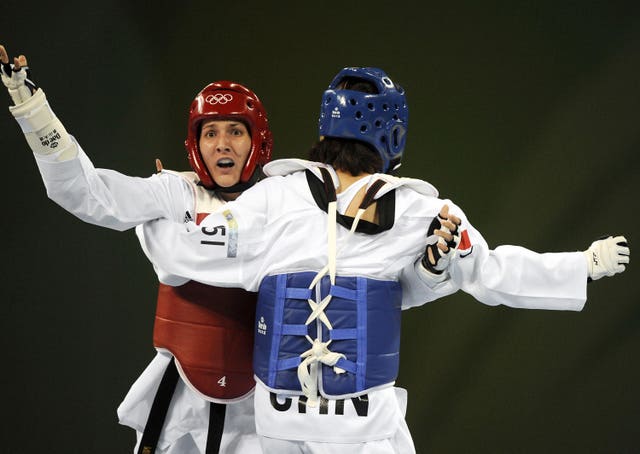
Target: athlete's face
(224,146)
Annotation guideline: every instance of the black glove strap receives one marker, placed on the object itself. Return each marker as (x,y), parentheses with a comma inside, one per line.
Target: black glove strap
(425,260)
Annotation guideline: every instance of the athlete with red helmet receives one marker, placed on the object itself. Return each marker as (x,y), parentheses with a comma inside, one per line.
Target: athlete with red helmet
(230,101)
(206,332)
(196,395)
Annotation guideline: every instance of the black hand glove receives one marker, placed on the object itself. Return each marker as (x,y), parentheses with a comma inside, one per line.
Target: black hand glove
(443,238)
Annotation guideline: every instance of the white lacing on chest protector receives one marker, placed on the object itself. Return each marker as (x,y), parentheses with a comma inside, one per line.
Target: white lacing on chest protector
(319,352)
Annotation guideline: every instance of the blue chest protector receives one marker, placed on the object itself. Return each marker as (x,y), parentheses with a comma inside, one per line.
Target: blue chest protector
(365,327)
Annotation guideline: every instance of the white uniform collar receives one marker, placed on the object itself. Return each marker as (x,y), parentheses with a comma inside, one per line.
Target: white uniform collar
(283,167)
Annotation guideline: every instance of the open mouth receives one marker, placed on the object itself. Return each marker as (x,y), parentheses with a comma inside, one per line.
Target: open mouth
(225,163)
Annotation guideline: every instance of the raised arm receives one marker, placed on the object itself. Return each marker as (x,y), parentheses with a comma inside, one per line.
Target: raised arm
(103,197)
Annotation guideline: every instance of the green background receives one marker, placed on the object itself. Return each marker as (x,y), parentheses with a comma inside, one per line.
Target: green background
(523,113)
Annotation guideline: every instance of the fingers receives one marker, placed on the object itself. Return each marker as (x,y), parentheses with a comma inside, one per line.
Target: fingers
(445,234)
(448,228)
(449,225)
(455,219)
(430,256)
(443,247)
(159,165)
(444,211)
(4,61)
(622,241)
(450,221)
(20,62)
(622,251)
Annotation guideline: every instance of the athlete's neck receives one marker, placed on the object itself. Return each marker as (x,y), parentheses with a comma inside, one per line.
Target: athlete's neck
(346,179)
(229,196)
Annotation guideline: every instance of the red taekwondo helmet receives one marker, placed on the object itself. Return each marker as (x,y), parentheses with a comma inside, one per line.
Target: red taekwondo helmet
(226,100)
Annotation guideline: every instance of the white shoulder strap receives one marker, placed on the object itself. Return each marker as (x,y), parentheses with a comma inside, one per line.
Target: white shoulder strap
(281,167)
(391,183)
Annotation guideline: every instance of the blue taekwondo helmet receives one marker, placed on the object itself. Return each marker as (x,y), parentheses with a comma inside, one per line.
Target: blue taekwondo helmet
(379,119)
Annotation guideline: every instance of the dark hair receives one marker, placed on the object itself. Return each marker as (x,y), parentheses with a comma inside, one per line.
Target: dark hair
(347,155)
(356,84)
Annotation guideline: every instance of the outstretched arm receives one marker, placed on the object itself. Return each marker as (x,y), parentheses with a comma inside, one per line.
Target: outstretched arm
(457,257)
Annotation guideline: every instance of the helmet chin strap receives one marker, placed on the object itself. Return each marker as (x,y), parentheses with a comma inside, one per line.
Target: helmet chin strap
(240,186)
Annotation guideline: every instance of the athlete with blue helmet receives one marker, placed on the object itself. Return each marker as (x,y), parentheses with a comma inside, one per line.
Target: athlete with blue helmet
(336,247)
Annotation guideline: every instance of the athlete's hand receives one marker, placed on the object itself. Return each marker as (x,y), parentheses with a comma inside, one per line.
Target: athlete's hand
(443,238)
(607,257)
(15,76)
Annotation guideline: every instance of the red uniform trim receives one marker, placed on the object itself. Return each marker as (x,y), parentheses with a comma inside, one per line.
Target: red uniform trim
(465,242)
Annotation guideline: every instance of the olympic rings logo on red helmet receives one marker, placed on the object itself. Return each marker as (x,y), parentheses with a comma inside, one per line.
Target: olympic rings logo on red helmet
(219,98)
(227,100)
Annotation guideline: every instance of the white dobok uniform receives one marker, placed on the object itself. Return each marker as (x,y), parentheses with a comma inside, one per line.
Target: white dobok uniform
(110,199)
(277,228)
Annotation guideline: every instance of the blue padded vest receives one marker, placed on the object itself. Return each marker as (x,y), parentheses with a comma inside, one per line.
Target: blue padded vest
(364,314)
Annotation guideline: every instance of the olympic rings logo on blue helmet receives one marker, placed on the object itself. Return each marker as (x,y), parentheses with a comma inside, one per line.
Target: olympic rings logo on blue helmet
(379,119)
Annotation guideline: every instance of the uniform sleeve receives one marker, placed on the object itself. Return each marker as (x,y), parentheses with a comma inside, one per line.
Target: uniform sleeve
(418,288)
(517,277)
(108,198)
(226,249)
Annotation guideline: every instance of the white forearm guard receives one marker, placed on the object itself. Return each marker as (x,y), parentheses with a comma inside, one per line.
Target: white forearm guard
(45,134)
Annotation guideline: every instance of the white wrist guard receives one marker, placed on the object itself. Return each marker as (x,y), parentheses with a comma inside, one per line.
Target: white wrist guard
(428,277)
(607,257)
(45,134)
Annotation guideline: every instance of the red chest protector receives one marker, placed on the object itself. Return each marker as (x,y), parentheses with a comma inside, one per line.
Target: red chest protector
(209,330)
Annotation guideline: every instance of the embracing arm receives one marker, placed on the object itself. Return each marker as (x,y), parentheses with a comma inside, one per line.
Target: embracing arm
(227,249)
